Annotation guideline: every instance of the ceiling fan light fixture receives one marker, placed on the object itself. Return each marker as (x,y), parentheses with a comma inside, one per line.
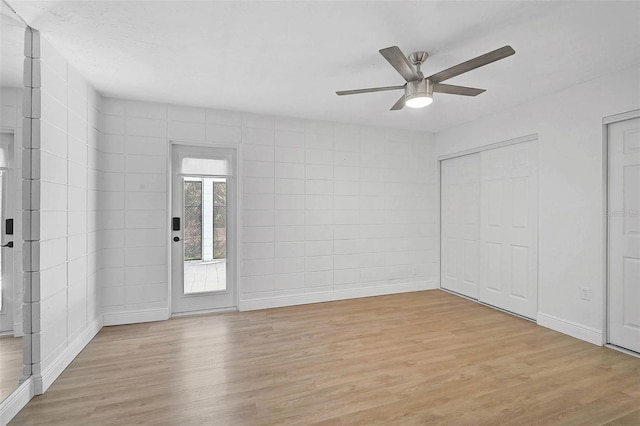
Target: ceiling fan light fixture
(419,100)
(418,93)
(418,90)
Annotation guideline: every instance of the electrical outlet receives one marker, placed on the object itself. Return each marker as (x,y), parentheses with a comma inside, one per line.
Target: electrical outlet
(585,293)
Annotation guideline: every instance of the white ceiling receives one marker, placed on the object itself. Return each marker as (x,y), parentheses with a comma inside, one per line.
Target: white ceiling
(289,58)
(12,45)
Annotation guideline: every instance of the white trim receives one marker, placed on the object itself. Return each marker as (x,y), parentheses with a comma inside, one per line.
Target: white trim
(18,329)
(573,329)
(169,219)
(354,293)
(439,220)
(15,402)
(239,179)
(604,321)
(134,317)
(46,378)
(204,312)
(629,115)
(528,138)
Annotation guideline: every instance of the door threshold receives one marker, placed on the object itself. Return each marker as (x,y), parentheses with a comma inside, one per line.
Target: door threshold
(487,305)
(204,312)
(623,350)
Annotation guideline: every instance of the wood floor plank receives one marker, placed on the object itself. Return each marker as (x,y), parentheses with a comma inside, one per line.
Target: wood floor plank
(416,358)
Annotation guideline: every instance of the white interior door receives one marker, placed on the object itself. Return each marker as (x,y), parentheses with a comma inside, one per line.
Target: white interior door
(460,219)
(204,242)
(624,234)
(509,228)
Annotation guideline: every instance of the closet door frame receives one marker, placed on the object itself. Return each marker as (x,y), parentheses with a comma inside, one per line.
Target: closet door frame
(606,121)
(528,138)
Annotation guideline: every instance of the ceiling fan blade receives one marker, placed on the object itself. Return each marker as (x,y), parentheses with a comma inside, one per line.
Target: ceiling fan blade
(472,64)
(398,105)
(399,61)
(373,89)
(456,90)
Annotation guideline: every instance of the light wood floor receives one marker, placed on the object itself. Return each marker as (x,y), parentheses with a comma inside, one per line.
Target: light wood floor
(11,361)
(415,358)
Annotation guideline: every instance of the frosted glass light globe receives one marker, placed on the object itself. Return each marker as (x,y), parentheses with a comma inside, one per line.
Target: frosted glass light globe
(418,101)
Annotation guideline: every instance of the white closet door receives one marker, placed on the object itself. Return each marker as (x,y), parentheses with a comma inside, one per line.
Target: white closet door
(509,228)
(460,218)
(624,234)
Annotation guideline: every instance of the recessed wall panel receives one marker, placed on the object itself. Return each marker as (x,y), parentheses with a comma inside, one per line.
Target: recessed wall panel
(471,199)
(494,206)
(451,257)
(519,271)
(631,211)
(631,141)
(493,266)
(520,202)
(631,292)
(471,261)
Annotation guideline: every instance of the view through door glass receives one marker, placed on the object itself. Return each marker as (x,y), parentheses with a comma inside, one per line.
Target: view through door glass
(205,234)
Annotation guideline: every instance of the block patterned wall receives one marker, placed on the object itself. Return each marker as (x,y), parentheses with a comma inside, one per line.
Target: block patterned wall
(133,208)
(62,238)
(327,210)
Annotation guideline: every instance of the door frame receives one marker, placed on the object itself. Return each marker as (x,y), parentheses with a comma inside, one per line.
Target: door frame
(7,257)
(475,150)
(237,217)
(606,121)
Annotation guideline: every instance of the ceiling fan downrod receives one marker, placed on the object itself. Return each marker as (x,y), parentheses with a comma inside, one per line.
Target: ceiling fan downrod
(417,59)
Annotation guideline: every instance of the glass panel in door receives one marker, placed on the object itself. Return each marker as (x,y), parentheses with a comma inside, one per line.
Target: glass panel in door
(205,234)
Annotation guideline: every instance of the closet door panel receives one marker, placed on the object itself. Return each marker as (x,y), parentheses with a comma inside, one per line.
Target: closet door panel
(460,219)
(508,228)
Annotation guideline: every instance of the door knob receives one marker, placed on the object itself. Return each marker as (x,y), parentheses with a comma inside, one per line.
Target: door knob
(9,244)
(176,239)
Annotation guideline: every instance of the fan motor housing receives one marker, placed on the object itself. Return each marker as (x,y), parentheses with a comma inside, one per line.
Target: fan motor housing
(422,87)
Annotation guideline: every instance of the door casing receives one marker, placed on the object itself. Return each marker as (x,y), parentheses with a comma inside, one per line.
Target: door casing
(606,121)
(195,147)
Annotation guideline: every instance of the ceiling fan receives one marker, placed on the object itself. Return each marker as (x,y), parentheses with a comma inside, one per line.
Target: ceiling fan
(418,90)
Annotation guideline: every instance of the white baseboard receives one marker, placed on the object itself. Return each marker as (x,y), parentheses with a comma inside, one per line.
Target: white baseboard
(353,293)
(578,331)
(15,402)
(18,329)
(133,317)
(51,372)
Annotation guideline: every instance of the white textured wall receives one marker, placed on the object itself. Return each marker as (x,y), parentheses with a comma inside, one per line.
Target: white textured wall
(327,210)
(571,190)
(11,120)
(133,209)
(64,250)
